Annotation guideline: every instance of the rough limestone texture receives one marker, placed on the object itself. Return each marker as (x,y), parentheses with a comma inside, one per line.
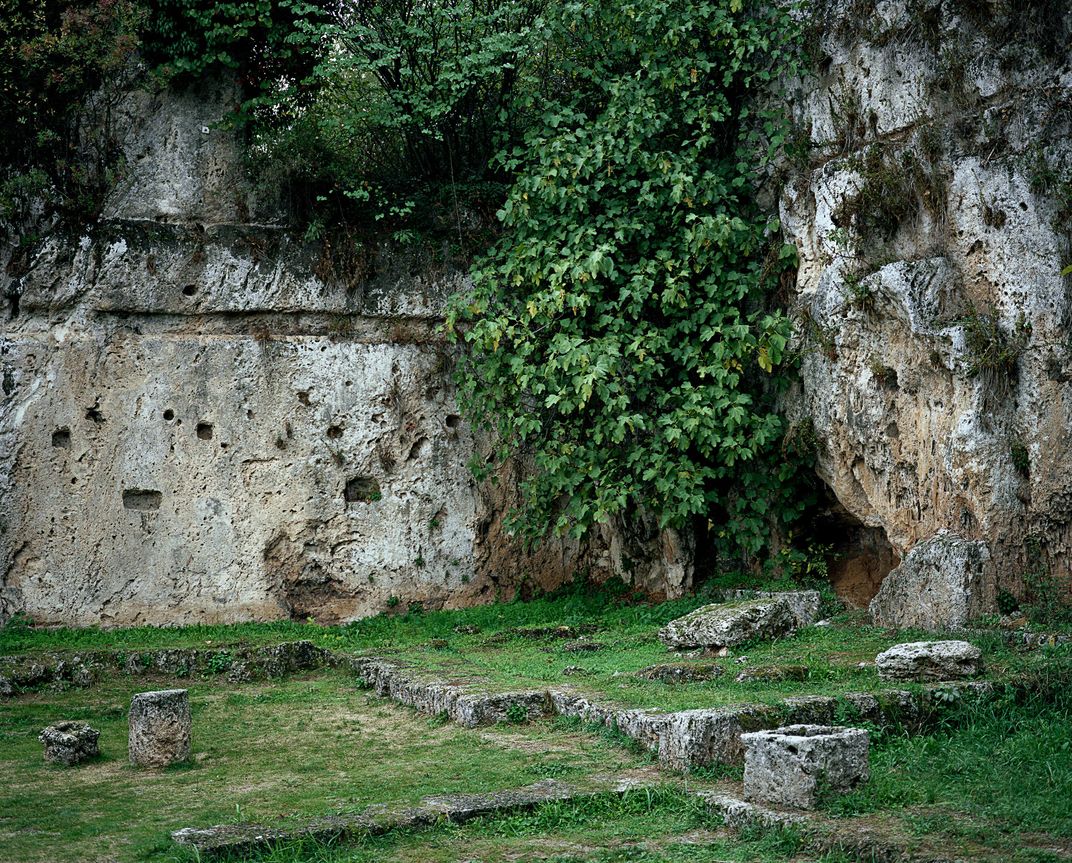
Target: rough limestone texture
(936,586)
(70,743)
(729,624)
(159,728)
(930,660)
(206,419)
(790,766)
(932,224)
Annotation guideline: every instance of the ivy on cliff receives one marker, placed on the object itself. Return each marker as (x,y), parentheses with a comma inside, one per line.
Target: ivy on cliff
(615,334)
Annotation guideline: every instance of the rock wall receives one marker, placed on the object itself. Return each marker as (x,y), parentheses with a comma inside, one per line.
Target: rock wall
(933,220)
(205,419)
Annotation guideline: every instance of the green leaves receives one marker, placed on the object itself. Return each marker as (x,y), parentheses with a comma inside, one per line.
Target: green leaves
(628,279)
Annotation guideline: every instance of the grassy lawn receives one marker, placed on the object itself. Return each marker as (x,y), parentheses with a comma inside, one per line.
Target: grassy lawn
(997,775)
(831,655)
(488,647)
(663,826)
(262,752)
(994,782)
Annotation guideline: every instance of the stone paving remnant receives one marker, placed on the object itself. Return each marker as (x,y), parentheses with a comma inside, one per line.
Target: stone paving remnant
(729,624)
(930,660)
(160,728)
(70,743)
(681,672)
(793,765)
(773,674)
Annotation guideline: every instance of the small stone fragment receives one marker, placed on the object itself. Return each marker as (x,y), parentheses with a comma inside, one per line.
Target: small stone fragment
(575,671)
(773,674)
(791,765)
(582,645)
(729,624)
(70,743)
(438,643)
(467,629)
(930,660)
(6,689)
(681,672)
(160,728)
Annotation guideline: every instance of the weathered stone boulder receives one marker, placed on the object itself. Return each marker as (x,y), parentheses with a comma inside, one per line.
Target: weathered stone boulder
(69,743)
(160,728)
(790,765)
(729,624)
(936,586)
(6,689)
(930,660)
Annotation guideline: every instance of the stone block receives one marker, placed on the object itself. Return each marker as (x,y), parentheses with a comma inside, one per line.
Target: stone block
(793,765)
(70,743)
(930,660)
(936,586)
(729,624)
(160,728)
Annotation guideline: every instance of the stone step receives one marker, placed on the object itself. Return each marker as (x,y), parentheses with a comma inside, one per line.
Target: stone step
(379,819)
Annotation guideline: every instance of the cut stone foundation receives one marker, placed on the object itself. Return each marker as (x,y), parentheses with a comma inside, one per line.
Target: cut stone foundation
(792,766)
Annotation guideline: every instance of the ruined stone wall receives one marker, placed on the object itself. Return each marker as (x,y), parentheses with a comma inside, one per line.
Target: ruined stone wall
(938,191)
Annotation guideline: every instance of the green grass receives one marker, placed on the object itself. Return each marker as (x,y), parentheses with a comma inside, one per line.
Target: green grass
(497,658)
(385,631)
(997,774)
(262,752)
(663,825)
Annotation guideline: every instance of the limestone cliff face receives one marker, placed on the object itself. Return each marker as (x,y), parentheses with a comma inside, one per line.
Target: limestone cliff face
(201,420)
(933,224)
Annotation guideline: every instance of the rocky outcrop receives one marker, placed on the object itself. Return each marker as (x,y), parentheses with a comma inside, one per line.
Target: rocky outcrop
(932,223)
(729,624)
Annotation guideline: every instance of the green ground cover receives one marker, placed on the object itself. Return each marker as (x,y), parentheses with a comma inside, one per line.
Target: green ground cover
(995,774)
(261,752)
(493,647)
(992,782)
(831,654)
(664,825)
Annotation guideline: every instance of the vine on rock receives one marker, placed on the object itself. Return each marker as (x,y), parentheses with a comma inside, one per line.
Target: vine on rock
(616,334)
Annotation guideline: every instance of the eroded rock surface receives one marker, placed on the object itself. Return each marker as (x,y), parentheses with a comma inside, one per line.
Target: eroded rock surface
(930,660)
(70,743)
(160,726)
(938,585)
(728,624)
(791,766)
(205,418)
(933,230)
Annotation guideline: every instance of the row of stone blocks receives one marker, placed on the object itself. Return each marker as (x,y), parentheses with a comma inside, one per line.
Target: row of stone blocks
(159,733)
(684,739)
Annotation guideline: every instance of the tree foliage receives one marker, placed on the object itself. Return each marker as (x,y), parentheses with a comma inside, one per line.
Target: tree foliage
(616,334)
(52,55)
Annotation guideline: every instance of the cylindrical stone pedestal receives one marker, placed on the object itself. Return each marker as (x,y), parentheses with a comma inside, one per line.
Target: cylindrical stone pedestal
(160,728)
